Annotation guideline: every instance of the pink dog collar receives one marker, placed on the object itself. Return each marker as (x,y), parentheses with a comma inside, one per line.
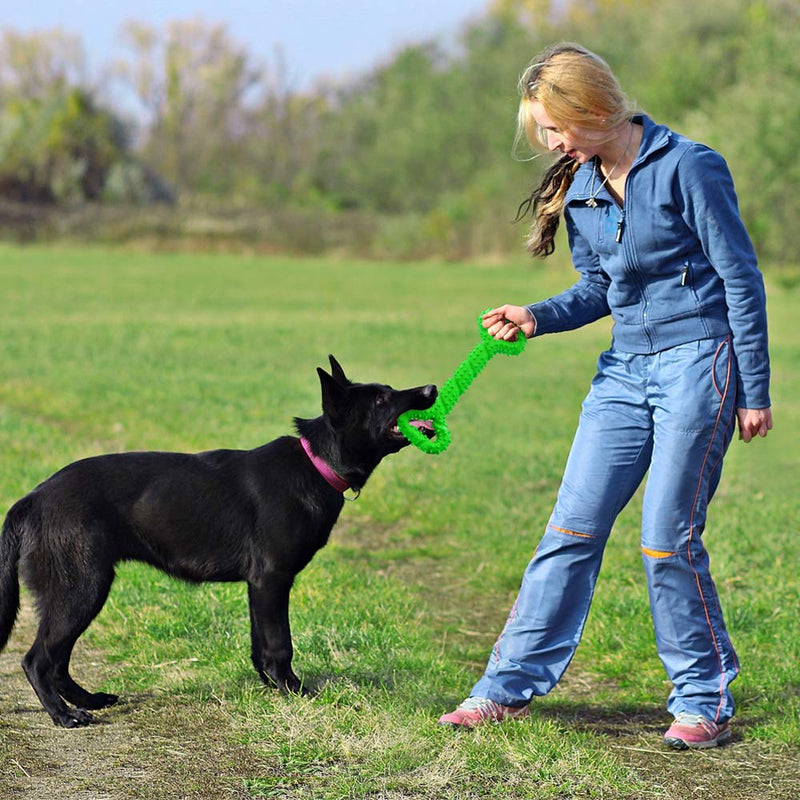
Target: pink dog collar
(330,476)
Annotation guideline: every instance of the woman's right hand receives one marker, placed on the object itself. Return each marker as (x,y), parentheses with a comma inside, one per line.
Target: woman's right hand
(507,321)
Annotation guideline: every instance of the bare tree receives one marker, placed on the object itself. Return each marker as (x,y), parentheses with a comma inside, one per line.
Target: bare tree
(33,64)
(193,84)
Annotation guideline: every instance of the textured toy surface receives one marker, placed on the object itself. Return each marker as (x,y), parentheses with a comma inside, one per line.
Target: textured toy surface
(453,389)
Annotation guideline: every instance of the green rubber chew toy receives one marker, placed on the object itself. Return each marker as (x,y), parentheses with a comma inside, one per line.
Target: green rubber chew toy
(452,390)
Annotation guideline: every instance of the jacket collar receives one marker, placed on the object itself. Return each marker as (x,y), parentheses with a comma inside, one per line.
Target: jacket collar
(654,138)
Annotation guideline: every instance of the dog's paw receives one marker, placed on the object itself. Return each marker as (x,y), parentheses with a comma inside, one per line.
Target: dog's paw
(73,718)
(289,684)
(292,685)
(99,700)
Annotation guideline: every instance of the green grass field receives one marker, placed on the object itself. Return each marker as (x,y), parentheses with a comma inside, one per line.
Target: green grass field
(107,350)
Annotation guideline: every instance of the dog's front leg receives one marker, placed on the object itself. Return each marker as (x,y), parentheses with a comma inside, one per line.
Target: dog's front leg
(270,636)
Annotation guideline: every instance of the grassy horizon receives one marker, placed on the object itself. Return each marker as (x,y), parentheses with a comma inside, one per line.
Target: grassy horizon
(116,350)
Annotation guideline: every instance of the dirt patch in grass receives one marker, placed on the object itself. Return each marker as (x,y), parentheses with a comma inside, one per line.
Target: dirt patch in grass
(153,747)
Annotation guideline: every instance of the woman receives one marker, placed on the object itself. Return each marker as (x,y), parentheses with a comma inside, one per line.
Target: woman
(655,235)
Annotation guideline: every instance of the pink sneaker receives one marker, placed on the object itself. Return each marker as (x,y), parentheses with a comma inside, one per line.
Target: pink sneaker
(477,710)
(692,730)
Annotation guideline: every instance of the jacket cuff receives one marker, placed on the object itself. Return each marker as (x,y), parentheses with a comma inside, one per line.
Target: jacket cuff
(752,394)
(545,318)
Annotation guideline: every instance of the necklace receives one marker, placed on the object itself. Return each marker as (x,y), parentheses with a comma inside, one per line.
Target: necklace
(592,201)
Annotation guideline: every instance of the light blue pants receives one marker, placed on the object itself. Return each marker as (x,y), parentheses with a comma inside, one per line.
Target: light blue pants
(672,413)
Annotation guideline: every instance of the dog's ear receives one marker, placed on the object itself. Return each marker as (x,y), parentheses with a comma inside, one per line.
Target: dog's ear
(333,394)
(337,372)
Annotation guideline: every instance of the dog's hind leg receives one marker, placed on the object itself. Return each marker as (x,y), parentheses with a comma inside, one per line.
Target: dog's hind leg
(39,670)
(79,697)
(74,693)
(65,613)
(270,635)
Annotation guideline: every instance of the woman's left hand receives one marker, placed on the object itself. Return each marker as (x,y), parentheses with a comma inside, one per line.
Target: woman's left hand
(754,421)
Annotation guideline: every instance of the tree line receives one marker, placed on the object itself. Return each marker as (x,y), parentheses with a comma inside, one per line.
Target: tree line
(417,150)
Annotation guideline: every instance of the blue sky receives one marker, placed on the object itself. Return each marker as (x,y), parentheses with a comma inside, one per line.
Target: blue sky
(316,37)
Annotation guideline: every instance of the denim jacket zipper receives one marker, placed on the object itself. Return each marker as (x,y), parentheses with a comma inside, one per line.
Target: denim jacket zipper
(624,240)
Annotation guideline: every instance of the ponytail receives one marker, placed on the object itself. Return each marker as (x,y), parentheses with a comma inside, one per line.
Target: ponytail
(546,204)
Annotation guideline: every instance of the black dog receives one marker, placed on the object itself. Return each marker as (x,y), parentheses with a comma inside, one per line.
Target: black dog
(225,515)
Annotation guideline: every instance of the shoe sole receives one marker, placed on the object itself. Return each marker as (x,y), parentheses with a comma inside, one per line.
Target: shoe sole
(682,744)
(474,724)
(469,724)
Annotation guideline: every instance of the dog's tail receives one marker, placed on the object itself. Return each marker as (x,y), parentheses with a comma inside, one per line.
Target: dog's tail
(10,544)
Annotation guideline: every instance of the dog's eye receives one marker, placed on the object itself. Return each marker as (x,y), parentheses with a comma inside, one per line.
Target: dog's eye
(381,399)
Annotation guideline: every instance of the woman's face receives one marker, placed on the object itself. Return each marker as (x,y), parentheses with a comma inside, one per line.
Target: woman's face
(577,142)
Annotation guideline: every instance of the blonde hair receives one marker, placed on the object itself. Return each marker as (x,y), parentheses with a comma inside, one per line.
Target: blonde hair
(576,88)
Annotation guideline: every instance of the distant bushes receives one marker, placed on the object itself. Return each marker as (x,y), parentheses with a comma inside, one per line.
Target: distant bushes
(362,234)
(410,159)
(61,147)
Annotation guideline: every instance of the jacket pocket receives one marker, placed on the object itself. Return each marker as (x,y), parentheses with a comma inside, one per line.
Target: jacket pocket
(676,295)
(608,216)
(688,284)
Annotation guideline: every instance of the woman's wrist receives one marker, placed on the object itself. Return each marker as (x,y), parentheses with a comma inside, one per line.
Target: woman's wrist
(529,329)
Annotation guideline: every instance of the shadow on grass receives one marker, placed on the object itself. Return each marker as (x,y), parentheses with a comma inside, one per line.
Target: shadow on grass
(615,721)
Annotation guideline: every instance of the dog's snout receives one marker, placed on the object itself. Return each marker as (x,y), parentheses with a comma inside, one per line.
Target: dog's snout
(429,394)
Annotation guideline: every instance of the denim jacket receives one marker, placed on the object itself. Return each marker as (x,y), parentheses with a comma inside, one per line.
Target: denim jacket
(674,265)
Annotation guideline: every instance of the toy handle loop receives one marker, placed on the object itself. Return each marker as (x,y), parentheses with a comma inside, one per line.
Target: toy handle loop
(442,437)
(449,394)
